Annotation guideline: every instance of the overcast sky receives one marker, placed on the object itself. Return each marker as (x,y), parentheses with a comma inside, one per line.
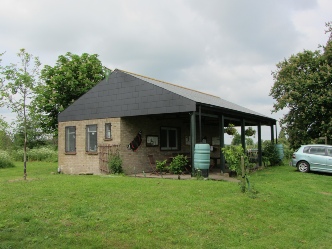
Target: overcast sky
(224,47)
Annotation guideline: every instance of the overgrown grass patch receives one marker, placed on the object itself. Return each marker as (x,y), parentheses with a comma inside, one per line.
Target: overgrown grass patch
(292,210)
(5,160)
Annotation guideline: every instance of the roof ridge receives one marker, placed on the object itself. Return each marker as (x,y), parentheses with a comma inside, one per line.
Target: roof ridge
(169,83)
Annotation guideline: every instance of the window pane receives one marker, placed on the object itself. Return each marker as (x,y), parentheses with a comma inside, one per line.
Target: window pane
(70,136)
(168,138)
(163,138)
(91,138)
(108,133)
(172,138)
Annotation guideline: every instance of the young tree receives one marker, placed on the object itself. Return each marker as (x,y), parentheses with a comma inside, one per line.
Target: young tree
(17,85)
(69,79)
(303,84)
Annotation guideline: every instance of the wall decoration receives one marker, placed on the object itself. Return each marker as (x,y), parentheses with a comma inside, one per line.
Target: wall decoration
(136,142)
(187,140)
(215,141)
(152,141)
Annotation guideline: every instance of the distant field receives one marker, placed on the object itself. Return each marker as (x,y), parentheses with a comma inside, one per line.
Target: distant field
(292,210)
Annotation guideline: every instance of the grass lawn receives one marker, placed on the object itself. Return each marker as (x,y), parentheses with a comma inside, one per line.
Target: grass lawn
(292,210)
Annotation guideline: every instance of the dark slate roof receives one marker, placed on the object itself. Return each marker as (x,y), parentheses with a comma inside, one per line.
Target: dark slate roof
(126,94)
(197,96)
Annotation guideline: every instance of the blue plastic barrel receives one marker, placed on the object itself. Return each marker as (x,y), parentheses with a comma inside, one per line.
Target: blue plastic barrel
(202,158)
(280,149)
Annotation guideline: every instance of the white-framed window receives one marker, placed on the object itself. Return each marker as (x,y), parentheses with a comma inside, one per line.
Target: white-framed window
(169,138)
(91,138)
(108,131)
(70,139)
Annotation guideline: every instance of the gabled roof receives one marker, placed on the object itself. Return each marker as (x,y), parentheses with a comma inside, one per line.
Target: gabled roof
(197,96)
(126,94)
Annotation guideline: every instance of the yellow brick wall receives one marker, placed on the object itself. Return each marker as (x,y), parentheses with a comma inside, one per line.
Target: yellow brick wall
(83,162)
(124,131)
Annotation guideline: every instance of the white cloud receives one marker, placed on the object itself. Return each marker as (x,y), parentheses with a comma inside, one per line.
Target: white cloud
(227,48)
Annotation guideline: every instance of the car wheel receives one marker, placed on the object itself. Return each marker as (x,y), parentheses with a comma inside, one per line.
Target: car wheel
(303,166)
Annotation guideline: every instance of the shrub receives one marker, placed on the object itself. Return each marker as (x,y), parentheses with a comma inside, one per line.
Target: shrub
(161,166)
(177,166)
(233,155)
(115,163)
(5,160)
(46,154)
(17,155)
(271,154)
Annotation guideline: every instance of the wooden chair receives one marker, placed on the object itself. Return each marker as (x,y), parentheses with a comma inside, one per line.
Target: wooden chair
(153,165)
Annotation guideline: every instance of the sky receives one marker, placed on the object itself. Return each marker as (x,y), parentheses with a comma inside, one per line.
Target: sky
(224,47)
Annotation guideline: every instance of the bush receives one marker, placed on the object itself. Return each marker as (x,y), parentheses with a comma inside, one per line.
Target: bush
(178,164)
(115,163)
(46,154)
(233,155)
(5,160)
(271,154)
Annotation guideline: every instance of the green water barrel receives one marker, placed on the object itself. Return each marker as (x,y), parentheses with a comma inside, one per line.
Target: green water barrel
(202,158)
(280,149)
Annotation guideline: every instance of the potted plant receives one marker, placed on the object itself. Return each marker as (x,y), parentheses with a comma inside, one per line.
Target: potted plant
(230,130)
(178,164)
(250,132)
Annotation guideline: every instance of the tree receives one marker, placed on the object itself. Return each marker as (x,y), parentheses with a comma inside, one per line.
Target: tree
(236,139)
(303,84)
(69,79)
(5,140)
(17,85)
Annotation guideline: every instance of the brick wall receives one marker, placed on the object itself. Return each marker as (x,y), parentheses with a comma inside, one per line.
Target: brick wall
(124,131)
(82,162)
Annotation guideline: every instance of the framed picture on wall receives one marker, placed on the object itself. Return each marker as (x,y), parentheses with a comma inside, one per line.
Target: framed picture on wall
(187,140)
(152,141)
(215,141)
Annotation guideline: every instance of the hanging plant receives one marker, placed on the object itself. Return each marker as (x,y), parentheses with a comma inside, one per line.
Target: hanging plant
(250,132)
(230,130)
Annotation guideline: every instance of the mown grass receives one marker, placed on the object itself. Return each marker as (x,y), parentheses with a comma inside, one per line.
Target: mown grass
(292,210)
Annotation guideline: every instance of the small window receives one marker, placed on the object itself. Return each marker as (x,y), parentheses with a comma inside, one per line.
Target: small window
(306,149)
(169,138)
(91,138)
(70,137)
(108,131)
(329,151)
(317,151)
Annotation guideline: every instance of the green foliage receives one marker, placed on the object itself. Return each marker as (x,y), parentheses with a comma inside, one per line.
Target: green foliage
(177,166)
(303,85)
(5,160)
(230,130)
(45,154)
(282,139)
(250,132)
(20,82)
(233,154)
(271,154)
(236,139)
(5,139)
(69,79)
(161,166)
(115,163)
